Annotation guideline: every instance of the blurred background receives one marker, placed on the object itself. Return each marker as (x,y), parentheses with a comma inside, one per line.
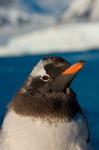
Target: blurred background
(32,29)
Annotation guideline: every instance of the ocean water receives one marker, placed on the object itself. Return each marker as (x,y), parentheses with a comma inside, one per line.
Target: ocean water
(14,71)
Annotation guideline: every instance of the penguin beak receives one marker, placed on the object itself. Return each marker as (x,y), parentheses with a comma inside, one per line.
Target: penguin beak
(65,78)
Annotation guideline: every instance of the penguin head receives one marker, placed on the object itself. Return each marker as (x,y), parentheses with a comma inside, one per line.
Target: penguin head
(53,73)
(49,68)
(46,92)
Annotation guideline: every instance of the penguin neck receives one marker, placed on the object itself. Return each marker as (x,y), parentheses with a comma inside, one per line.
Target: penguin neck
(50,105)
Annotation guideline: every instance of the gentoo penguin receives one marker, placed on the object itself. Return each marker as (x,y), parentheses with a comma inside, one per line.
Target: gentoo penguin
(45,114)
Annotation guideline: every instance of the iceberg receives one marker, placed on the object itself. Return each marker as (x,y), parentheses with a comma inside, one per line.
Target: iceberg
(60,38)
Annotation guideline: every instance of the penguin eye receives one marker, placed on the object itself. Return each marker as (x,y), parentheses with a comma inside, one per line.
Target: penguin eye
(45,78)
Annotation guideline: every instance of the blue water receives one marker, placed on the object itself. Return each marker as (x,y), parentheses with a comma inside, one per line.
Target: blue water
(14,70)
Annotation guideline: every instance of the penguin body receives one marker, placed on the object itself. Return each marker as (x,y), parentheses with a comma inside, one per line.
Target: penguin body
(23,133)
(45,114)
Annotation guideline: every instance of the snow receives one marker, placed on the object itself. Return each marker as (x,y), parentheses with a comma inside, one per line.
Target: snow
(25,31)
(80,10)
(60,38)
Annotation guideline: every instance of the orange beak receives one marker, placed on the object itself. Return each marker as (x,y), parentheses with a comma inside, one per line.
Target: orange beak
(66,77)
(74,68)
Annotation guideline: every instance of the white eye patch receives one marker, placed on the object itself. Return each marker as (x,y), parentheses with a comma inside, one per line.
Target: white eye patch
(39,71)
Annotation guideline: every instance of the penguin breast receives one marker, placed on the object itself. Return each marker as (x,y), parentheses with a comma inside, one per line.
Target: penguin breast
(23,133)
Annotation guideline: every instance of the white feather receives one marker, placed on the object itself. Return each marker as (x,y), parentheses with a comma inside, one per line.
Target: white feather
(38,70)
(28,133)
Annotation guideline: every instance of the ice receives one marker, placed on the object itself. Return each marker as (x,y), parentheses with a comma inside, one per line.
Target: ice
(60,38)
